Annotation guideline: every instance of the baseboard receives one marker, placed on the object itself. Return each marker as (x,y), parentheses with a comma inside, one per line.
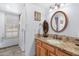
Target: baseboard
(9,46)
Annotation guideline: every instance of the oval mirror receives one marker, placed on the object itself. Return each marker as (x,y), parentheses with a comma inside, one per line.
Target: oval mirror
(59,21)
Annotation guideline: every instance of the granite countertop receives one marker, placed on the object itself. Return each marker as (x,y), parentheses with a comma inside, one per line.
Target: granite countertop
(67,46)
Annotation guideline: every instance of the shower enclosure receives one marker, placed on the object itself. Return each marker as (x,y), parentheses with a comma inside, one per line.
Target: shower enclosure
(10,33)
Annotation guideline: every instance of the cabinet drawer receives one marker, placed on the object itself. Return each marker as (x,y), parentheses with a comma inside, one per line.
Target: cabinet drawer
(38,42)
(48,47)
(61,53)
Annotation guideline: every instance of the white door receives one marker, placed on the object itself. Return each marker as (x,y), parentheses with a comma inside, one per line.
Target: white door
(22,31)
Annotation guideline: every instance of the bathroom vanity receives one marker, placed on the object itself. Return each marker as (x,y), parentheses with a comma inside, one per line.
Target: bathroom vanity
(54,47)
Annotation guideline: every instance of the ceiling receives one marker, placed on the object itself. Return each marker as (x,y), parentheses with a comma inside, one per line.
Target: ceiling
(11,7)
(17,7)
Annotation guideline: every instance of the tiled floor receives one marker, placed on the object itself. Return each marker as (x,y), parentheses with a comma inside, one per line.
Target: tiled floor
(11,51)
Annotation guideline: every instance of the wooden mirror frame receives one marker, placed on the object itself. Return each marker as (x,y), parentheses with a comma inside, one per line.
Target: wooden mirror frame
(66,21)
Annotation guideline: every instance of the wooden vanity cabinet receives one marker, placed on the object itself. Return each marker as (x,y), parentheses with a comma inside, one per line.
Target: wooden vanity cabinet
(50,49)
(37,51)
(61,53)
(51,54)
(43,49)
(40,51)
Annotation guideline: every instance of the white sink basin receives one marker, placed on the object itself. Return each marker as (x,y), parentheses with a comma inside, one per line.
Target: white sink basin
(54,41)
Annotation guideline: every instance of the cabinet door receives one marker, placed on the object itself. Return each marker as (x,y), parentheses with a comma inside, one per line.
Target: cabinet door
(37,50)
(51,54)
(40,51)
(37,47)
(43,51)
(49,48)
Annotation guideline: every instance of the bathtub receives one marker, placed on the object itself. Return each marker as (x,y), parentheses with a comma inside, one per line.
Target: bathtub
(8,42)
